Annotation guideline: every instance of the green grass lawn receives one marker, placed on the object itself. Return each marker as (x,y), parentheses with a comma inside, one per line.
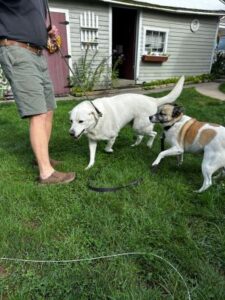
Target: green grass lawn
(162,216)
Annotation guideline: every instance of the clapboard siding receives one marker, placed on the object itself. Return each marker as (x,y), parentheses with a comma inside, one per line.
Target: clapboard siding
(189,53)
(77,8)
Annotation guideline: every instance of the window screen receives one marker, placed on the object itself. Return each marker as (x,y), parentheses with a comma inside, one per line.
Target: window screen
(155,41)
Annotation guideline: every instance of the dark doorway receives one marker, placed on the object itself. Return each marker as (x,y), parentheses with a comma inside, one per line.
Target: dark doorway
(124,39)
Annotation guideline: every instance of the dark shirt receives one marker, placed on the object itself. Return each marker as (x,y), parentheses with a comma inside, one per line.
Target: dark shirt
(24,21)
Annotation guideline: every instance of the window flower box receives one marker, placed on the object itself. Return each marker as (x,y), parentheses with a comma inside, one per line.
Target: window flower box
(154,58)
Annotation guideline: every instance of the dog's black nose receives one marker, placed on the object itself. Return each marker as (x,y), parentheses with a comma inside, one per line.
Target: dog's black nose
(71,133)
(150,118)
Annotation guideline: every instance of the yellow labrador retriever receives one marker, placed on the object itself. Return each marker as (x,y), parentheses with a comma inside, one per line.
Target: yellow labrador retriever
(103,118)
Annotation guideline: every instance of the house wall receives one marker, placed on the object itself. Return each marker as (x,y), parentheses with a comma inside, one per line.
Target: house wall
(75,8)
(190,53)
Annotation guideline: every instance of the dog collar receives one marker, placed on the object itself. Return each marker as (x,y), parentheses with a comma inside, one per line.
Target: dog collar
(166,128)
(96,109)
(163,136)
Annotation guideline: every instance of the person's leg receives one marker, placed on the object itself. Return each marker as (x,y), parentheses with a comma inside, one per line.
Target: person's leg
(48,124)
(34,97)
(40,130)
(39,138)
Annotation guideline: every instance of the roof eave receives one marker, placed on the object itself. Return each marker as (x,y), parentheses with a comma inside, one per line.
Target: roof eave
(167,9)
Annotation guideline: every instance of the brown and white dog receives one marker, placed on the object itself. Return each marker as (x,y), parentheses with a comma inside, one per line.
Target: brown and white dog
(186,134)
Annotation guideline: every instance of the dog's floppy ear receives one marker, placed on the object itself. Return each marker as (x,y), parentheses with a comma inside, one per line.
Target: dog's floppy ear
(177,111)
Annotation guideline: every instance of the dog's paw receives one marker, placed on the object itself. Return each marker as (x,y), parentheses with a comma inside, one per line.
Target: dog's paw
(108,150)
(154,168)
(149,144)
(134,144)
(88,167)
(197,191)
(179,160)
(201,190)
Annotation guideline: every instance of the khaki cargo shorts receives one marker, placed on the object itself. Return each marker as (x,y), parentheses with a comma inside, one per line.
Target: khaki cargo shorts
(28,76)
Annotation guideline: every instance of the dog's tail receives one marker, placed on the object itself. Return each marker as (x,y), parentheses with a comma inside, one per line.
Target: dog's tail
(173,95)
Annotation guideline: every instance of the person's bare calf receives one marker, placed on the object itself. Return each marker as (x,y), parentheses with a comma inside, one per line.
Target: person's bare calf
(40,132)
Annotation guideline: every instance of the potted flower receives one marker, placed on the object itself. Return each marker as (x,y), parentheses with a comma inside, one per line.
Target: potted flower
(155,57)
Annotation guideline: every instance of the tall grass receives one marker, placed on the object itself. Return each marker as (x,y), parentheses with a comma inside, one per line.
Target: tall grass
(162,216)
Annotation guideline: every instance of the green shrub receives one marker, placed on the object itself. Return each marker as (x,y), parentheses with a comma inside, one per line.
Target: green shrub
(4,85)
(218,67)
(87,73)
(115,70)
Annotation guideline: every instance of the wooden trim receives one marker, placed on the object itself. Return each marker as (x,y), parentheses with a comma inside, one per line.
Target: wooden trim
(139,39)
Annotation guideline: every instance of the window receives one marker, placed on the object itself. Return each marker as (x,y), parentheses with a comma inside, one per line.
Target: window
(221,44)
(155,40)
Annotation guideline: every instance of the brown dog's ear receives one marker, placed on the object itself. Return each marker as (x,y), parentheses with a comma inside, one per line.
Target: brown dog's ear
(177,111)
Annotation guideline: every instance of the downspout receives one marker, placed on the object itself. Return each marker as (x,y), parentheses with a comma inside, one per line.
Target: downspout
(215,43)
(110,41)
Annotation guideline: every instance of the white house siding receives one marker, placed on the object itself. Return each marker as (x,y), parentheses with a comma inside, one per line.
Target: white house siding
(76,8)
(189,53)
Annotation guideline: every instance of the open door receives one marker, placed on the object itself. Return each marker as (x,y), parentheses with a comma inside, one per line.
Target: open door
(124,40)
